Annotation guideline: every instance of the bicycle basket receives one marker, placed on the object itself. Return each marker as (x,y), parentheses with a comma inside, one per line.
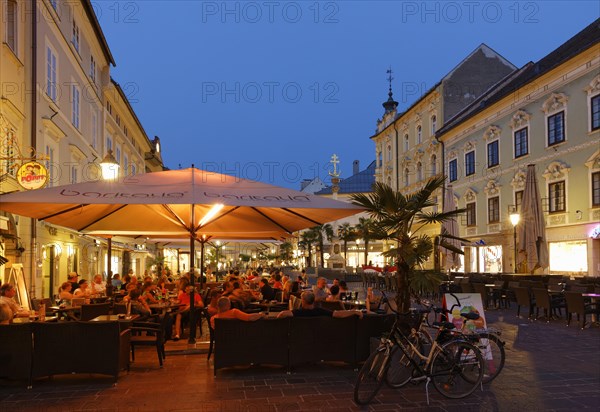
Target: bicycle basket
(408,321)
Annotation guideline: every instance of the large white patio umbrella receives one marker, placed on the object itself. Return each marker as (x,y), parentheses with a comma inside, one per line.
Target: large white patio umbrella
(188,203)
(532,225)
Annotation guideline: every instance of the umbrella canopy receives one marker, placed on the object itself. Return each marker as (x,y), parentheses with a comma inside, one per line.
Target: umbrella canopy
(532,226)
(178,203)
(450,227)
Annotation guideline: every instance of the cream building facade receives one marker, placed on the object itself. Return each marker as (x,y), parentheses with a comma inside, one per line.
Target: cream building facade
(407,151)
(546,113)
(60,105)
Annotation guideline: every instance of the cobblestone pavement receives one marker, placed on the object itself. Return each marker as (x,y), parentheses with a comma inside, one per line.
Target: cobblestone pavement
(549,367)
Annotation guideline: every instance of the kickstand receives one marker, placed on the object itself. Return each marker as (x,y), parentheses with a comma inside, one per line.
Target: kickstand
(427,389)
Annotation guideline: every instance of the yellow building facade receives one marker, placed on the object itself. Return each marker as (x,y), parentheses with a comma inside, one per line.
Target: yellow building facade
(56,87)
(547,114)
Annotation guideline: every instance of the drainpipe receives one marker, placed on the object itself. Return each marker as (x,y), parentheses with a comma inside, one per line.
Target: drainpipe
(437,239)
(397,159)
(33,245)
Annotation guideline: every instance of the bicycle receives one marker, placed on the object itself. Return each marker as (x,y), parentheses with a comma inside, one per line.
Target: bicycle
(454,366)
(486,340)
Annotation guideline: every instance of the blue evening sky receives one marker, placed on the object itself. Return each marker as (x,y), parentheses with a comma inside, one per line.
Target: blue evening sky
(269,90)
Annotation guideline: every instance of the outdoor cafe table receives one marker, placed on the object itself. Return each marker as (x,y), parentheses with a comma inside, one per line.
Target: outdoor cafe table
(275,306)
(67,311)
(36,319)
(120,318)
(164,307)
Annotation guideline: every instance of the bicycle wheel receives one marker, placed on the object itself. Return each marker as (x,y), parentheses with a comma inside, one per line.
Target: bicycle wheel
(492,350)
(457,369)
(371,375)
(400,369)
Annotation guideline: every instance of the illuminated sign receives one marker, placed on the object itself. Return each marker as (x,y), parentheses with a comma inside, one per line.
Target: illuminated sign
(32,175)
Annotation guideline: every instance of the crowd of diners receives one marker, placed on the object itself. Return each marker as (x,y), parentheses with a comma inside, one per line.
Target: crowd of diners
(233,298)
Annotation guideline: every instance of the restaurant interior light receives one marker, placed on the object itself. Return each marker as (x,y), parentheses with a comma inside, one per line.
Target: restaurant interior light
(109,166)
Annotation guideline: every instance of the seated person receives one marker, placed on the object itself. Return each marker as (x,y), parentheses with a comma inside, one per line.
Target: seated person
(116,282)
(266,290)
(277,284)
(309,310)
(6,314)
(225,312)
(344,291)
(148,293)
(83,291)
(335,294)
(212,305)
(184,312)
(321,292)
(73,279)
(98,286)
(7,294)
(64,292)
(138,306)
(300,280)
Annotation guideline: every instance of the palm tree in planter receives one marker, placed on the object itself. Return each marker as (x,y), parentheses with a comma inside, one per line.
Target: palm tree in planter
(321,232)
(365,229)
(401,218)
(346,234)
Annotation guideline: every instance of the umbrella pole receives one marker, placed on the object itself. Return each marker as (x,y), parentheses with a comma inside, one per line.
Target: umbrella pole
(108,272)
(192,338)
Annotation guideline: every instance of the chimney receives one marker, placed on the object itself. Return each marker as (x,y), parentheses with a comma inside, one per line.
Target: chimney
(355,167)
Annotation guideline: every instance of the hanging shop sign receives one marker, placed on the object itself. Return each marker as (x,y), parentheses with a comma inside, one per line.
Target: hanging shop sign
(32,175)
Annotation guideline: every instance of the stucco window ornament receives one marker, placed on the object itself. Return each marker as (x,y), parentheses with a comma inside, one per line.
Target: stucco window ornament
(518,181)
(492,133)
(520,119)
(492,188)
(468,146)
(418,119)
(453,154)
(594,86)
(555,102)
(404,127)
(431,107)
(556,170)
(593,161)
(432,146)
(419,155)
(470,195)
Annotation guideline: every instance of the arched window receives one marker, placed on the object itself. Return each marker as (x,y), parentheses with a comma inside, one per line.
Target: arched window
(389,153)
(406,177)
(433,165)
(419,172)
(419,134)
(433,124)
(406,145)
(389,181)
(379,159)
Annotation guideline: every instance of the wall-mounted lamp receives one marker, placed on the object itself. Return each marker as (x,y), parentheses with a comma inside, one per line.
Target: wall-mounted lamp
(109,166)
(578,214)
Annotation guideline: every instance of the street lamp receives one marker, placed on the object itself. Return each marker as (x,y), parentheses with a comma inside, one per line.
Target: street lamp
(514,219)
(357,253)
(109,166)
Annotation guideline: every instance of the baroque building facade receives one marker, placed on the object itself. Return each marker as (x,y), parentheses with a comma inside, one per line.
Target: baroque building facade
(59,106)
(407,151)
(547,114)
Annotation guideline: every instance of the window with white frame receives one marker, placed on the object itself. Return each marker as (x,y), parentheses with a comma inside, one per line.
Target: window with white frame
(453,170)
(471,213)
(470,163)
(433,124)
(419,134)
(75,105)
(379,159)
(118,154)
(74,174)
(596,189)
(389,153)
(521,142)
(595,112)
(518,200)
(494,209)
(556,192)
(406,143)
(133,169)
(125,164)
(419,171)
(109,143)
(92,69)
(556,128)
(406,177)
(12,25)
(493,154)
(51,69)
(94,129)
(75,36)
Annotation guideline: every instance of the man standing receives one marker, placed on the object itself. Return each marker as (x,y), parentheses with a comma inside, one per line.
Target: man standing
(7,294)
